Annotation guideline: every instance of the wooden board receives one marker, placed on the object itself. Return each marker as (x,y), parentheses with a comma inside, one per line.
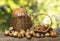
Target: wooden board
(7,38)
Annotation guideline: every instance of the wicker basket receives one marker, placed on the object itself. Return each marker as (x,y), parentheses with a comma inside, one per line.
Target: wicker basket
(33,27)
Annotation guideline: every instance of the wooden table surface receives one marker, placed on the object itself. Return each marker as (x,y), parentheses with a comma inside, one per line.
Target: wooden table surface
(7,38)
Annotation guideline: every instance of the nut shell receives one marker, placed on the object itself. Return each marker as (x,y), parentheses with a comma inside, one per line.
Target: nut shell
(42,35)
(6,32)
(47,34)
(19,35)
(15,34)
(37,35)
(10,34)
(28,36)
(53,33)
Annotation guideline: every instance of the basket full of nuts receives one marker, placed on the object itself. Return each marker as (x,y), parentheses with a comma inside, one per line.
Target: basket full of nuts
(45,29)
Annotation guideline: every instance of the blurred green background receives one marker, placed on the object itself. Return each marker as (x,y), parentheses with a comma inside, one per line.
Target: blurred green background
(33,7)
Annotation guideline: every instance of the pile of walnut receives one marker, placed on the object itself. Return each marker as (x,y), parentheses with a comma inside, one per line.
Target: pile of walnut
(31,33)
